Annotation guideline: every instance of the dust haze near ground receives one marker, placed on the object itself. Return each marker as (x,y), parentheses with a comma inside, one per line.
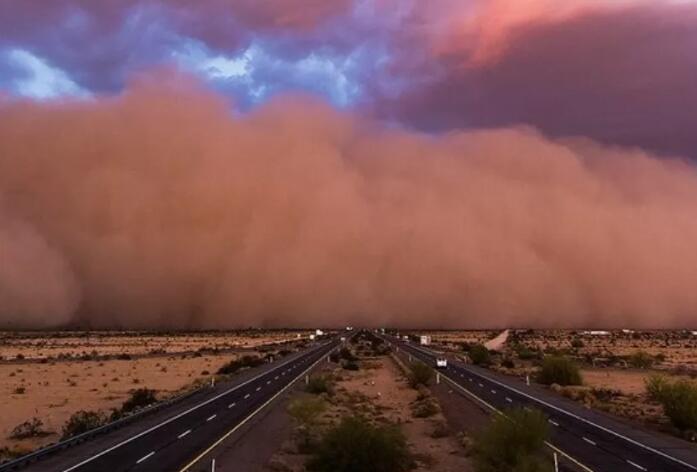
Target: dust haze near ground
(161,207)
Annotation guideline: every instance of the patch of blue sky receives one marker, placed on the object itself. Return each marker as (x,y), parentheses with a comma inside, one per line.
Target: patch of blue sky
(35,78)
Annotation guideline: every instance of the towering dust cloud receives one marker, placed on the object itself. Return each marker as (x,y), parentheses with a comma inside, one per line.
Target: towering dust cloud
(162,208)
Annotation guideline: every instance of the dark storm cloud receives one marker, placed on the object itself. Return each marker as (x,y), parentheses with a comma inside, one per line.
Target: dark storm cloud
(627,76)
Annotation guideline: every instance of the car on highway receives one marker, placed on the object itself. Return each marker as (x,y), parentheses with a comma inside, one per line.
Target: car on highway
(441,362)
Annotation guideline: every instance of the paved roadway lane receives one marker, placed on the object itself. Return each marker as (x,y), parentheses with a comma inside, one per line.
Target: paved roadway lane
(189,429)
(598,441)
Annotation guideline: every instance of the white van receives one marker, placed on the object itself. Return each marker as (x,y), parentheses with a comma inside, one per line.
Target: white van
(441,363)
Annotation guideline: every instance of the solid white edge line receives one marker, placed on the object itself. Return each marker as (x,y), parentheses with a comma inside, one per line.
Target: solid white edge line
(580,418)
(250,416)
(145,457)
(176,417)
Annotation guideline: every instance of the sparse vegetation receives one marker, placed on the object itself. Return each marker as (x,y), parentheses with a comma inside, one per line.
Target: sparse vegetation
(513,443)
(356,445)
(140,398)
(419,374)
(641,360)
(306,411)
(81,422)
(479,355)
(235,365)
(29,429)
(319,384)
(559,370)
(678,398)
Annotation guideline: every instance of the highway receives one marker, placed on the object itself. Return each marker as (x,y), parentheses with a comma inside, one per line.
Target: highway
(186,431)
(595,440)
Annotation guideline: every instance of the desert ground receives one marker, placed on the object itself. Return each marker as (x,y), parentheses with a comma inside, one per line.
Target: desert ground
(615,364)
(90,344)
(56,376)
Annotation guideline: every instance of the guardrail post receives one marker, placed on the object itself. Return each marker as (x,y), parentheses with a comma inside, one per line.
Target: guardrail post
(307,379)
(213,465)
(556,463)
(437,377)
(527,379)
(409,357)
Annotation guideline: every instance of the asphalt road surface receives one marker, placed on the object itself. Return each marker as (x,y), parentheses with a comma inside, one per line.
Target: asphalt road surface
(187,430)
(597,441)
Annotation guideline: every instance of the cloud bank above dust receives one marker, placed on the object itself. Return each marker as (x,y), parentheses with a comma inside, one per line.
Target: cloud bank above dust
(162,208)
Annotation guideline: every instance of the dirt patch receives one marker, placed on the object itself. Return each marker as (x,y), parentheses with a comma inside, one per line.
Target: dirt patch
(53,392)
(379,392)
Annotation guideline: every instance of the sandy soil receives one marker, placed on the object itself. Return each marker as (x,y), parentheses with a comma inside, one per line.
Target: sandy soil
(379,392)
(54,391)
(386,386)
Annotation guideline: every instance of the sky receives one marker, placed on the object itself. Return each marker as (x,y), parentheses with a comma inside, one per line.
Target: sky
(533,156)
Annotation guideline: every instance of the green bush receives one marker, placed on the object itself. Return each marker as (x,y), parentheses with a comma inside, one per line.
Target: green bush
(513,443)
(319,384)
(480,355)
(641,360)
(559,370)
(678,398)
(419,374)
(81,422)
(357,446)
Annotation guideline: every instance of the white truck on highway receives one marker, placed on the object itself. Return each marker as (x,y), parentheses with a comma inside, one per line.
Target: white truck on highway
(441,363)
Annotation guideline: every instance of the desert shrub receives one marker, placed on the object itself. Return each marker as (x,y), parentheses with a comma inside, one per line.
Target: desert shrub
(508,363)
(419,374)
(424,408)
(577,343)
(140,398)
(123,357)
(356,445)
(236,364)
(28,429)
(678,398)
(20,390)
(334,357)
(306,411)
(641,360)
(512,443)
(525,353)
(350,365)
(480,355)
(319,384)
(346,354)
(81,422)
(655,385)
(559,370)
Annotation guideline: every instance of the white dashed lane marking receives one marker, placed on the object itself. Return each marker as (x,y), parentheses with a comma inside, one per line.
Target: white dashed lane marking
(211,417)
(145,457)
(185,433)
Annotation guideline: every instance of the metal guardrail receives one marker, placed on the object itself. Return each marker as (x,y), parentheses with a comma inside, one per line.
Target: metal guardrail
(24,461)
